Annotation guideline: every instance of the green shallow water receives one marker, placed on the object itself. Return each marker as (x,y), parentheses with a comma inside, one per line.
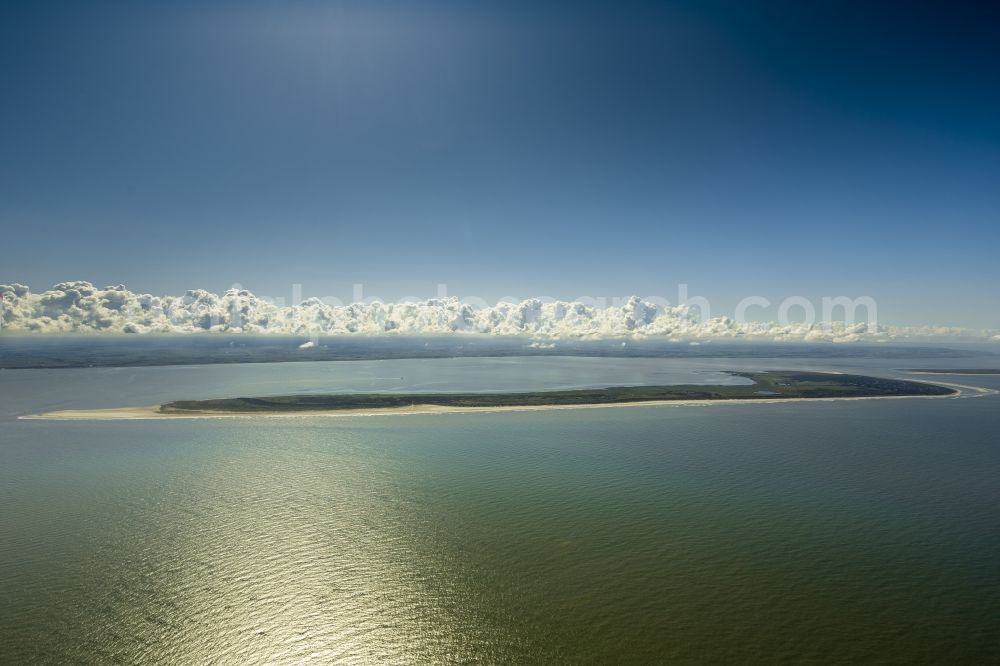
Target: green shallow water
(795,533)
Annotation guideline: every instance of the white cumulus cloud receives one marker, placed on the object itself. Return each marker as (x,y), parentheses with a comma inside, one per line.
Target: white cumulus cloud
(80,307)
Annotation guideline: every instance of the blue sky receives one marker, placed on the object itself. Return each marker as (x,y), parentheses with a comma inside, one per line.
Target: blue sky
(508,149)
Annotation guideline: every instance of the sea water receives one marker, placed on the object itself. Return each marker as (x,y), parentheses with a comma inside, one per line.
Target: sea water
(834,532)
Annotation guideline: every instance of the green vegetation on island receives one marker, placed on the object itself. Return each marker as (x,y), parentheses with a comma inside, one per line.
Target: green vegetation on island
(766,386)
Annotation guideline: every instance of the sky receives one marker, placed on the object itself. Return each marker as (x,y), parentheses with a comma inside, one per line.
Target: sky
(513,149)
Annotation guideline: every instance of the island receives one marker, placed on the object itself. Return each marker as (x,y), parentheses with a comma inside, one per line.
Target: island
(774,386)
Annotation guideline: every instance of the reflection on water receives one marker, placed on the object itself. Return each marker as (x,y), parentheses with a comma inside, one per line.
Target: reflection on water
(836,532)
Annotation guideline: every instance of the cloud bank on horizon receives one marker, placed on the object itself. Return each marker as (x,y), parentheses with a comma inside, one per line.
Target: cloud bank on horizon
(80,307)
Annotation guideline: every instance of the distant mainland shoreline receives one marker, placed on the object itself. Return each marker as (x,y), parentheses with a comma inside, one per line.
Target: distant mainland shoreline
(952,371)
